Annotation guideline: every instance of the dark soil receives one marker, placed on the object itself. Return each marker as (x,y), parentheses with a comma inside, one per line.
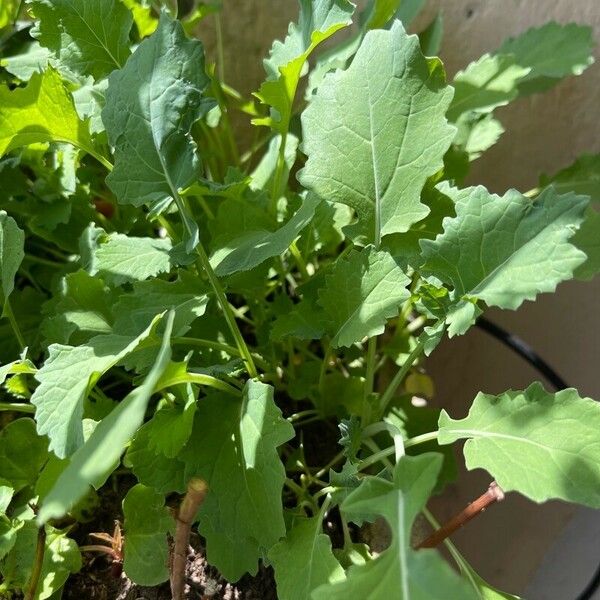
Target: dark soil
(98,580)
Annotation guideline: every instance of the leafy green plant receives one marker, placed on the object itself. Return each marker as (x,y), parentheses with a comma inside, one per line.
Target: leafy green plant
(231,335)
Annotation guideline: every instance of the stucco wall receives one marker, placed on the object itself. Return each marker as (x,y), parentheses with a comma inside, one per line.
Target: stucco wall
(544,133)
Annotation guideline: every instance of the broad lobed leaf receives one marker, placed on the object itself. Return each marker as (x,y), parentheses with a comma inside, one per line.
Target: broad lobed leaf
(373,136)
(87,37)
(505,250)
(540,444)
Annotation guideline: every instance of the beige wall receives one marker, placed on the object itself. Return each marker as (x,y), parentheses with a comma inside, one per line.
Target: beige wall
(544,133)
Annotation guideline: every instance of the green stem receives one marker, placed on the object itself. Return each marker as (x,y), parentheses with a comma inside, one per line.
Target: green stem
(279,169)
(382,455)
(38,562)
(227,311)
(44,261)
(8,313)
(460,560)
(184,341)
(369,379)
(17,407)
(17,12)
(220,53)
(199,379)
(204,265)
(400,375)
(299,260)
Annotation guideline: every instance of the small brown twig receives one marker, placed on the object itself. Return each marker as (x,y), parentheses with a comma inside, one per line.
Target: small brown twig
(112,547)
(38,562)
(492,495)
(196,492)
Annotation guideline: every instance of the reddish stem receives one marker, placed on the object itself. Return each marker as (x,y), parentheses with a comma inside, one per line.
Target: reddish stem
(196,492)
(491,496)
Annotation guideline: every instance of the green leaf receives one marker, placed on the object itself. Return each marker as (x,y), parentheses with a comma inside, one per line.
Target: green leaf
(263,174)
(41,112)
(254,247)
(304,560)
(540,444)
(87,37)
(151,104)
(550,52)
(373,136)
(398,572)
(319,20)
(7,12)
(582,177)
(6,494)
(8,534)
(65,381)
(22,453)
(61,558)
(143,18)
(171,427)
(80,311)
(119,258)
(587,239)
(12,242)
(147,522)
(234,449)
(362,291)
(486,84)
(186,296)
(152,468)
(92,463)
(477,133)
(431,37)
(497,247)
(32,59)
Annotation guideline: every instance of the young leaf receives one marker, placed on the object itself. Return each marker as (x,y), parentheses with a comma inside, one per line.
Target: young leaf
(22,454)
(151,104)
(43,111)
(65,380)
(12,241)
(92,463)
(550,53)
(171,427)
(254,247)
(303,561)
(233,447)
(119,258)
(539,444)
(374,135)
(505,250)
(88,37)
(373,287)
(319,20)
(147,522)
(398,572)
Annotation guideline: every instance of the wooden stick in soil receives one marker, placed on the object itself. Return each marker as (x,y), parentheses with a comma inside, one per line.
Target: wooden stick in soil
(196,492)
(37,564)
(491,496)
